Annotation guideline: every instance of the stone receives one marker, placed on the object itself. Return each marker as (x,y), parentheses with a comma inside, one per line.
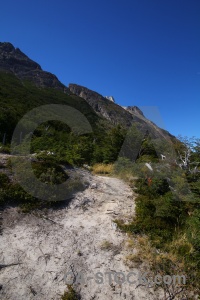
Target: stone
(93,186)
(111,98)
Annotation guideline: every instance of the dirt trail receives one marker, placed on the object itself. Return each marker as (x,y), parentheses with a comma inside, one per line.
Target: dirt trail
(70,239)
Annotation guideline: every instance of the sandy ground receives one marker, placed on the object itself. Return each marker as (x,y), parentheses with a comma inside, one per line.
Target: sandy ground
(48,244)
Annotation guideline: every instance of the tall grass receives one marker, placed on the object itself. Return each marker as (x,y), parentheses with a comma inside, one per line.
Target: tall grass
(105,169)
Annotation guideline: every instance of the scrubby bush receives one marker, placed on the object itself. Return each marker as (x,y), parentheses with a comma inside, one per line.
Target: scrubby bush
(168,213)
(5,149)
(70,294)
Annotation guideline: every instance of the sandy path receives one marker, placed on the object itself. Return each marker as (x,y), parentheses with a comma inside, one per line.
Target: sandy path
(69,239)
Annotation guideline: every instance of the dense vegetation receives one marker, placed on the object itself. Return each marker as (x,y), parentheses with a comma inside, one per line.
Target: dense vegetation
(168,209)
(54,142)
(17,98)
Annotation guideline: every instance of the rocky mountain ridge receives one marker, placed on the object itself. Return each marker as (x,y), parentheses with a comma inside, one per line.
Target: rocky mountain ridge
(15,61)
(126,116)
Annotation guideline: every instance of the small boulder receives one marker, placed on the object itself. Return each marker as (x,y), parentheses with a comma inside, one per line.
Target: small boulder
(93,186)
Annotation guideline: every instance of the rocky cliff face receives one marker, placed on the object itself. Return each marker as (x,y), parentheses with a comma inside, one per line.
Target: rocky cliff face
(103,106)
(111,98)
(116,114)
(14,61)
(133,110)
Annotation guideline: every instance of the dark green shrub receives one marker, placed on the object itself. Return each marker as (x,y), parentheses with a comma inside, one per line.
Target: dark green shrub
(5,149)
(4,180)
(71,294)
(193,232)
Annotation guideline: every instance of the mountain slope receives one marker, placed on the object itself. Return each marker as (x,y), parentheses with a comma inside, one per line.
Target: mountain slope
(17,98)
(117,114)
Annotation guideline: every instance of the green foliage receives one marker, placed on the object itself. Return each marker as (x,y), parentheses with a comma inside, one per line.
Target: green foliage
(70,294)
(4,180)
(4,149)
(168,209)
(193,232)
(147,151)
(123,164)
(17,98)
(48,172)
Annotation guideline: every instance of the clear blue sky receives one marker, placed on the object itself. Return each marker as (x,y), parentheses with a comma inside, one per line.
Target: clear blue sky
(142,52)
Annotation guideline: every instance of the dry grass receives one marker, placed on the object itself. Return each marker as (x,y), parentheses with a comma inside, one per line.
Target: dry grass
(106,245)
(143,251)
(181,245)
(102,169)
(130,244)
(155,259)
(133,260)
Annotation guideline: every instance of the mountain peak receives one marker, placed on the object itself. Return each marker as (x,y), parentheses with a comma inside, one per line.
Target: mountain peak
(134,110)
(6,46)
(111,98)
(13,60)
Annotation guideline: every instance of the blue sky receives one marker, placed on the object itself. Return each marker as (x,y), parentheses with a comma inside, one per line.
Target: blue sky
(144,52)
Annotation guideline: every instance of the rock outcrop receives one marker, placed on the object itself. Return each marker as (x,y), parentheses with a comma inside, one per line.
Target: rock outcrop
(133,110)
(111,98)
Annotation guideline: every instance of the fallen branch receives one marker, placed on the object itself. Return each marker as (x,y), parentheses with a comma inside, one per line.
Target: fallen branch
(9,265)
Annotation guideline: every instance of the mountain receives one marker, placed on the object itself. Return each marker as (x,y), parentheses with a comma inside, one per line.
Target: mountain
(22,78)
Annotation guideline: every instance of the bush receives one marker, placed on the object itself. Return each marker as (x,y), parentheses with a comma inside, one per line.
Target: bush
(123,164)
(71,294)
(5,149)
(193,233)
(106,245)
(4,180)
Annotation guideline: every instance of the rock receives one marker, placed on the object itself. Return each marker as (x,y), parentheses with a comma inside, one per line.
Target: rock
(133,110)
(93,186)
(111,98)
(86,167)
(114,225)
